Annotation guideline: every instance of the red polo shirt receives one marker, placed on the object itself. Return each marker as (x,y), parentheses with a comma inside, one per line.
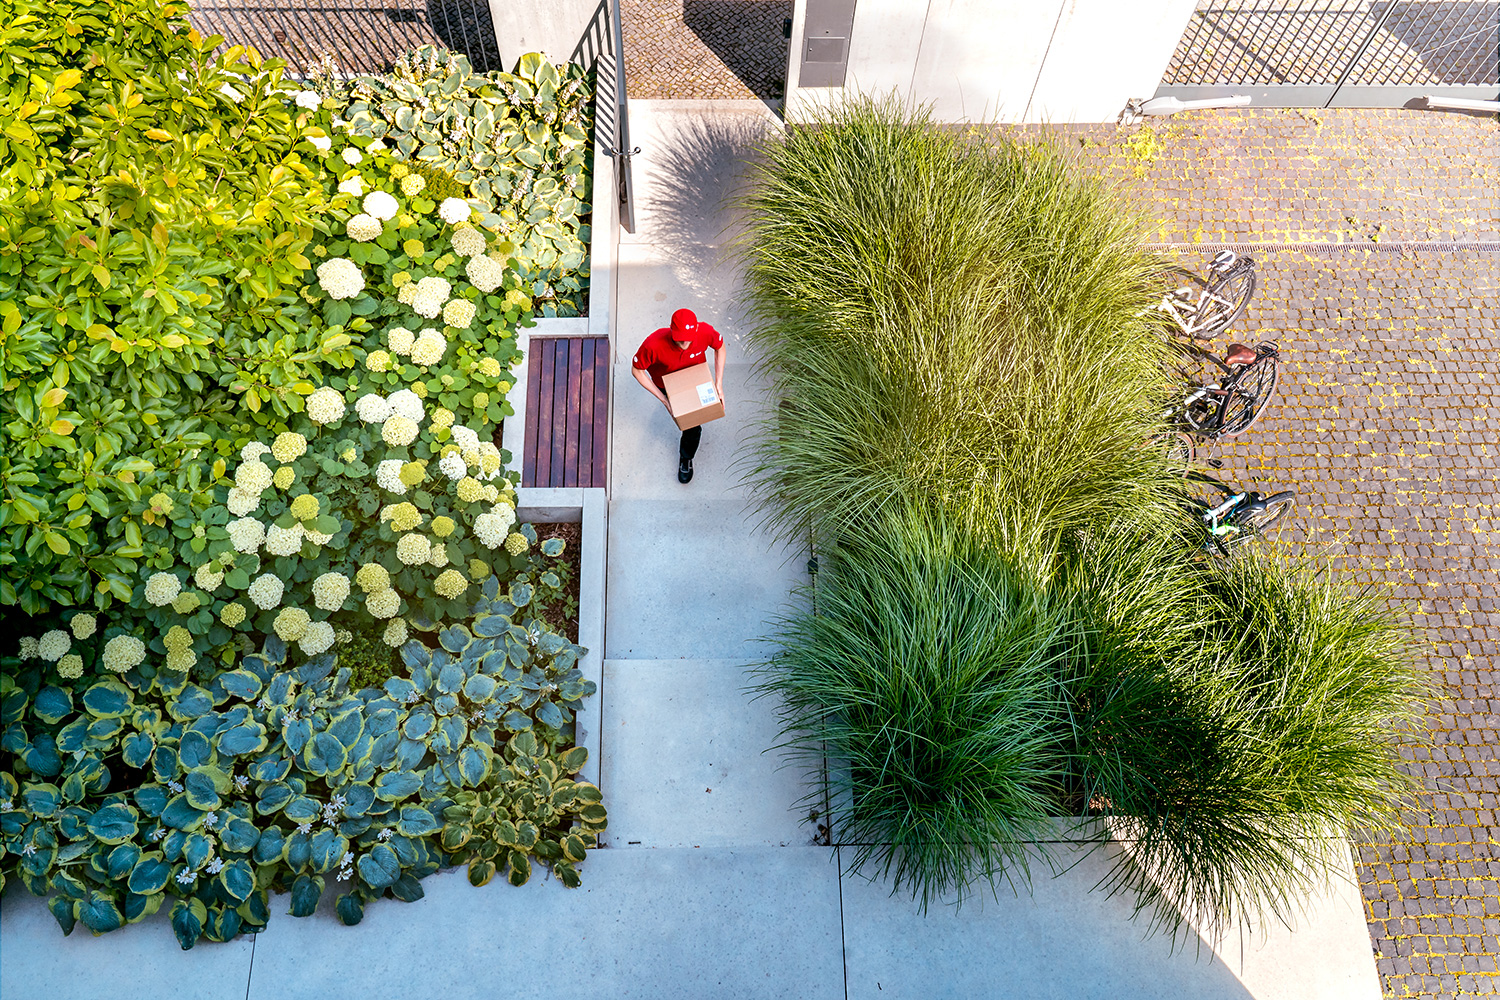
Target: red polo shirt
(659,356)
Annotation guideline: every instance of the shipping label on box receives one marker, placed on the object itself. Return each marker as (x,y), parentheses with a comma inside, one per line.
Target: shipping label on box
(692,397)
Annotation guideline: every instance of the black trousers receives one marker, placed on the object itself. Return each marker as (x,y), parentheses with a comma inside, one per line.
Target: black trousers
(689,445)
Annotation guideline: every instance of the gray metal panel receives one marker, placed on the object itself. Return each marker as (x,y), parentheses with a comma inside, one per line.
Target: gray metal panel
(825,49)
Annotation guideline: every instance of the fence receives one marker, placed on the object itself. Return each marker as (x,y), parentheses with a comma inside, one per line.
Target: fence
(1338,53)
(356,36)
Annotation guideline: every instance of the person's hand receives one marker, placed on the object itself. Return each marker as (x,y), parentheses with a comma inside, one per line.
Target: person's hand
(719,388)
(664,401)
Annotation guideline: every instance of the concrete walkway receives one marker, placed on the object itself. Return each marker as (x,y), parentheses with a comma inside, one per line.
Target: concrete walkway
(711,885)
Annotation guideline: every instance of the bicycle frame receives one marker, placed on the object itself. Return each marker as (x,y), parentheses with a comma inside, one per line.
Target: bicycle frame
(1182,306)
(1224,389)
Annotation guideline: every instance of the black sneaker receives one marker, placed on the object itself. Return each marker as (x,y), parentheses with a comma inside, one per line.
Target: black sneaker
(685,471)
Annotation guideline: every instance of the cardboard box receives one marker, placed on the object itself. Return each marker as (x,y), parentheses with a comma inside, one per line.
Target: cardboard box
(691,396)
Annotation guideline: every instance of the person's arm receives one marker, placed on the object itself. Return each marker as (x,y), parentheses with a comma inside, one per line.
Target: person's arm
(719,369)
(650,386)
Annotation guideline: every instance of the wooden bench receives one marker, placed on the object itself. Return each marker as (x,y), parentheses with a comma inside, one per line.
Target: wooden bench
(567,412)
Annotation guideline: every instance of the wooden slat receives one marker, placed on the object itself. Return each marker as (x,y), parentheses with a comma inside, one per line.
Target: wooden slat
(586,415)
(575,387)
(544,413)
(601,410)
(558,410)
(525,447)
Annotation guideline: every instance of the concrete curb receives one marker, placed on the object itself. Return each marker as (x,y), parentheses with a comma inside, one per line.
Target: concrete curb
(591,508)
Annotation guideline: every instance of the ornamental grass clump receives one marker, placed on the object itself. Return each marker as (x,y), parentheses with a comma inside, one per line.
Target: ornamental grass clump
(930,677)
(1012,621)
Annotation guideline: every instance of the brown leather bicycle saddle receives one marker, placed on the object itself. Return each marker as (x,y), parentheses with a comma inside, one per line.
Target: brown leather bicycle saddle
(1239,354)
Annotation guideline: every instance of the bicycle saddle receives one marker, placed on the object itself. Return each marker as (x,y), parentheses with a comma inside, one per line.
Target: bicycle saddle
(1239,354)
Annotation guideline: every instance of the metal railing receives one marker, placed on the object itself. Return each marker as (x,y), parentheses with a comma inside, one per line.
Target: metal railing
(1338,53)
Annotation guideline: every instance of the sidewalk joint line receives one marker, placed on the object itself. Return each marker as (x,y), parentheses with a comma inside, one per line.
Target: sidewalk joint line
(1324,247)
(250,973)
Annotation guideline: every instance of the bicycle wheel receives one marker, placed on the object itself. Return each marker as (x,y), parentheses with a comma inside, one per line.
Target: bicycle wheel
(1257,518)
(1176,447)
(1225,299)
(1252,394)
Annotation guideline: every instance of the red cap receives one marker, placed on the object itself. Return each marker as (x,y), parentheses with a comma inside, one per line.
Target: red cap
(684,324)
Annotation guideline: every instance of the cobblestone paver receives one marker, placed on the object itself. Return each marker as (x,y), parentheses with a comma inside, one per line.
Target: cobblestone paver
(1387,423)
(705,49)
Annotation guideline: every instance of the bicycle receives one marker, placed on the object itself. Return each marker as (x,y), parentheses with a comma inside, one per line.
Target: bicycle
(1202,308)
(1232,403)
(1238,517)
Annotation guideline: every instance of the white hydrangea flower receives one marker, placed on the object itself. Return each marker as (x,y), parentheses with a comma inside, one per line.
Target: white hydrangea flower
(325,406)
(208,577)
(317,639)
(246,534)
(505,512)
(486,273)
(341,278)
(381,205)
(284,541)
(438,556)
(29,647)
(383,603)
(254,476)
(491,529)
(400,339)
(354,185)
(330,591)
(316,537)
(376,146)
(372,408)
(363,228)
(489,459)
(123,652)
(464,437)
(241,503)
(254,450)
(429,294)
(429,348)
(395,632)
(408,404)
(289,446)
(399,431)
(452,465)
(162,588)
(309,99)
(266,590)
(83,625)
(322,142)
(388,476)
(412,549)
(458,313)
(54,645)
(291,624)
(352,156)
(468,241)
(454,210)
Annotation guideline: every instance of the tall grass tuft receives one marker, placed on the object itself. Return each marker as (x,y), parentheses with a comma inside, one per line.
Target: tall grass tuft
(1011,623)
(929,675)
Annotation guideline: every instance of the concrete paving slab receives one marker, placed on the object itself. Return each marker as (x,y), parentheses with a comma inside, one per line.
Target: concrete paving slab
(140,960)
(691,166)
(1070,942)
(687,760)
(644,449)
(694,578)
(752,923)
(657,279)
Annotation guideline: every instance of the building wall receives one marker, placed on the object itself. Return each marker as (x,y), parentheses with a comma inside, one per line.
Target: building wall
(1002,60)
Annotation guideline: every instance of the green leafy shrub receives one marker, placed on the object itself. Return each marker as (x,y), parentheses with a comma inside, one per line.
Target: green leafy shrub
(276,776)
(955,335)
(518,143)
(155,210)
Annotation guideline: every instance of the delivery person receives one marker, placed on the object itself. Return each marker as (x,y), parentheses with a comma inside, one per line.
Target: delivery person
(672,349)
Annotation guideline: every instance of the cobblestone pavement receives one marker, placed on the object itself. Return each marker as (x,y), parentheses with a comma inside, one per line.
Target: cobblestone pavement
(705,49)
(1387,423)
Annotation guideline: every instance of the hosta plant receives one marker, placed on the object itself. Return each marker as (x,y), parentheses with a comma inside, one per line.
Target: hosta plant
(137,792)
